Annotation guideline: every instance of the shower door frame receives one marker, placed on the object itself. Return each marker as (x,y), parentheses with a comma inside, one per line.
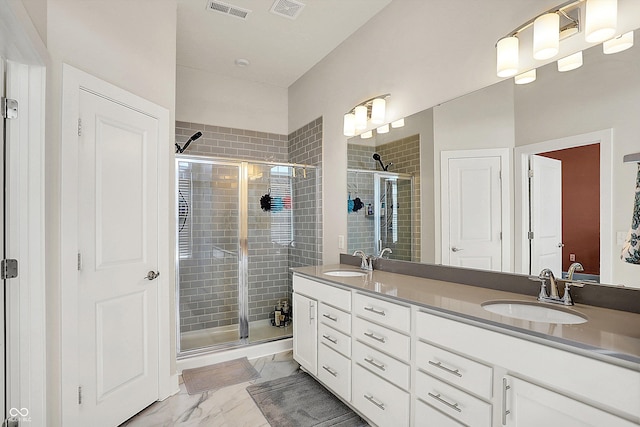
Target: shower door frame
(243,247)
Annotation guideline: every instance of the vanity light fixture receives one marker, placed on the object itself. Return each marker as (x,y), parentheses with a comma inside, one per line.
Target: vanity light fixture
(546,36)
(526,77)
(570,62)
(383,129)
(557,24)
(601,20)
(398,123)
(372,110)
(618,44)
(366,135)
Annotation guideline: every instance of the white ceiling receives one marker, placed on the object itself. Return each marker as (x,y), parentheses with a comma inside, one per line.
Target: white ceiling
(279,49)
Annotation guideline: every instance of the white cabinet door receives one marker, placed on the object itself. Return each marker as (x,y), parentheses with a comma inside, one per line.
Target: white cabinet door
(528,405)
(305,336)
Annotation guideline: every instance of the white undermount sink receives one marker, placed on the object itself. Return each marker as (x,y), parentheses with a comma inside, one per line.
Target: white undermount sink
(535,312)
(345,273)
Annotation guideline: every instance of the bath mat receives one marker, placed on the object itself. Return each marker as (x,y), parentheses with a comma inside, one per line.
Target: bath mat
(220,375)
(299,400)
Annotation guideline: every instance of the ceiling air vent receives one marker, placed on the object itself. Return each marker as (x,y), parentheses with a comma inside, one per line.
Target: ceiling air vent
(227,9)
(288,8)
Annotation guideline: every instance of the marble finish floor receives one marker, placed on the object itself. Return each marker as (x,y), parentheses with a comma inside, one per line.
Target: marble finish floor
(226,407)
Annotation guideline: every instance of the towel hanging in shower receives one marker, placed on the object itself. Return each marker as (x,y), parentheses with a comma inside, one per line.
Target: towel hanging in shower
(631,247)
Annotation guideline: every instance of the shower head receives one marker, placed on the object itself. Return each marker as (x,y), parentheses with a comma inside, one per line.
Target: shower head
(189,141)
(376,156)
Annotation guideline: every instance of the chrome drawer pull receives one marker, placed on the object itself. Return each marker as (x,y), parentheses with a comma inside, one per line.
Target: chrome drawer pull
(453,406)
(373,310)
(378,365)
(455,372)
(371,335)
(330,338)
(331,371)
(505,411)
(374,401)
(330,317)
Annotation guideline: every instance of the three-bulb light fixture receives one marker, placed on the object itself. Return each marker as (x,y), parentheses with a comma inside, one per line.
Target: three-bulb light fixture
(372,110)
(557,24)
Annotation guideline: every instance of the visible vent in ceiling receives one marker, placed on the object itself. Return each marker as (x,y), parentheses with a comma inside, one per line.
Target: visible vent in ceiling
(227,9)
(288,8)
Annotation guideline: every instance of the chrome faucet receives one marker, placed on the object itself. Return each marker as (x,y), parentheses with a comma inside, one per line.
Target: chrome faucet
(576,266)
(366,263)
(385,251)
(553,297)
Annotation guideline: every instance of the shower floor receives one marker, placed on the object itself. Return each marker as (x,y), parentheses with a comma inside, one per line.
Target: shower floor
(260,330)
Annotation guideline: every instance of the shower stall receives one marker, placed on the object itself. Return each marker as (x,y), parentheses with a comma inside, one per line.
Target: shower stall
(241,226)
(387,218)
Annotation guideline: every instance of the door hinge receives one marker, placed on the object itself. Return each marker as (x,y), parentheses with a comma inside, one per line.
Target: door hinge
(501,235)
(79,261)
(79,395)
(500,175)
(530,235)
(9,108)
(11,422)
(8,269)
(79,126)
(530,173)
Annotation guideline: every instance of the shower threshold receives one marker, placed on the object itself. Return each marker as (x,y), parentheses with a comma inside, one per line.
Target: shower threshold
(259,331)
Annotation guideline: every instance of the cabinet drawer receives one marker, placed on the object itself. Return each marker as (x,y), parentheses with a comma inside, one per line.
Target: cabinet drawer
(428,416)
(380,401)
(453,402)
(335,318)
(340,298)
(334,339)
(460,371)
(381,338)
(392,315)
(379,363)
(334,370)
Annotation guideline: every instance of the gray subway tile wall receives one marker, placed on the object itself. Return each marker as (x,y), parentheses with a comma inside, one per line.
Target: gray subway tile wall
(208,279)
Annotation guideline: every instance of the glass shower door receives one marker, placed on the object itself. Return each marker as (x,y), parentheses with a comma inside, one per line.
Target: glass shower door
(394,218)
(209,258)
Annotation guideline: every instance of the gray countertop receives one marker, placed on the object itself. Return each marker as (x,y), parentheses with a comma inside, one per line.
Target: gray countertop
(609,335)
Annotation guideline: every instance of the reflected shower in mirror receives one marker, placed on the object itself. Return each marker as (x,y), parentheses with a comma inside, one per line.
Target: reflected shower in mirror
(389,193)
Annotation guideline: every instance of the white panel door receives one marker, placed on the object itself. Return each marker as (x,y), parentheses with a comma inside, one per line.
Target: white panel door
(475,213)
(546,214)
(118,243)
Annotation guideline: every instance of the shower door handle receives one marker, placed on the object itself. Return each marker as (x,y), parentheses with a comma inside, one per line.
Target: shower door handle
(151,275)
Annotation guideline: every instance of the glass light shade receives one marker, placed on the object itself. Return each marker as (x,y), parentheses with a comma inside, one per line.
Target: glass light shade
(398,123)
(361,117)
(366,135)
(526,77)
(546,36)
(601,20)
(378,111)
(570,62)
(383,129)
(618,44)
(507,56)
(349,125)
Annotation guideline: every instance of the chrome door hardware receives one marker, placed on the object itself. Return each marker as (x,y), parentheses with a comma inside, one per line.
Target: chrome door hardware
(454,249)
(152,275)
(8,269)
(9,108)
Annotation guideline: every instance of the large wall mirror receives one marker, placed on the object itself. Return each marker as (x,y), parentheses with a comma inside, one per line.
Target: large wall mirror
(573,128)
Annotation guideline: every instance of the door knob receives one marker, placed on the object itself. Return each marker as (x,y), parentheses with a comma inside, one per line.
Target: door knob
(454,249)
(561,245)
(152,275)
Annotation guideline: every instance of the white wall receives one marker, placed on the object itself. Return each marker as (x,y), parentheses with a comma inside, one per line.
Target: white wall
(202,97)
(130,44)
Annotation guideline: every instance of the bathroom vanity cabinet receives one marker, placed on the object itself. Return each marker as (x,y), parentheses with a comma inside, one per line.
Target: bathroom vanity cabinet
(403,364)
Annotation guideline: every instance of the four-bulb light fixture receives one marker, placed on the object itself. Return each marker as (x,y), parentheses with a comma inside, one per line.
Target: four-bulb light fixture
(372,110)
(559,23)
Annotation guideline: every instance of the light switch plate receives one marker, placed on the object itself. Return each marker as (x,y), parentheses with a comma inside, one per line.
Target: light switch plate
(340,241)
(620,236)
